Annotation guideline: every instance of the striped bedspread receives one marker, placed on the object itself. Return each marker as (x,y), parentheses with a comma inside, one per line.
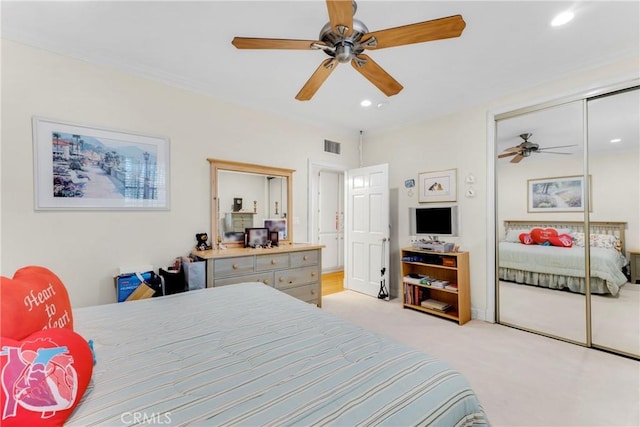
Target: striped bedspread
(249,355)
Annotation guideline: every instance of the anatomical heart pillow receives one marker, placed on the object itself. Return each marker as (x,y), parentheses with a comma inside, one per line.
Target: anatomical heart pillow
(43,377)
(34,299)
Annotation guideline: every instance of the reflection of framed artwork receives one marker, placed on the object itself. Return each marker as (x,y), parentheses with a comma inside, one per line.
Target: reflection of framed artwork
(559,194)
(234,236)
(279,225)
(256,237)
(438,186)
(81,167)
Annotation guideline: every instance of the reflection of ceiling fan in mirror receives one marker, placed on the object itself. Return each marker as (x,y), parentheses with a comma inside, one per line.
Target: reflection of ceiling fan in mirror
(344,39)
(525,149)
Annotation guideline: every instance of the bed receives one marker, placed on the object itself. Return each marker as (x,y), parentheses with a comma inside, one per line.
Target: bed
(564,268)
(247,354)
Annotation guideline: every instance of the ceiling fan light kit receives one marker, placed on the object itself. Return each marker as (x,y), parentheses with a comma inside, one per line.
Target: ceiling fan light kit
(344,39)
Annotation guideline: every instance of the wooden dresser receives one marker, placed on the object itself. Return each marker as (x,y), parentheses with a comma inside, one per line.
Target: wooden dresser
(295,269)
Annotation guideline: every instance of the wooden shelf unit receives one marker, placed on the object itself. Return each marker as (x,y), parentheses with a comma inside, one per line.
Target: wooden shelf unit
(431,264)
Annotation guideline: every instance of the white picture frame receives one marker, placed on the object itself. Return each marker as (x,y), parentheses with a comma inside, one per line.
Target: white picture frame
(438,186)
(79,167)
(557,194)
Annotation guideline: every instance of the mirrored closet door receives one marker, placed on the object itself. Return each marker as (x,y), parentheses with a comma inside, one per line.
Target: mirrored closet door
(540,158)
(561,170)
(614,163)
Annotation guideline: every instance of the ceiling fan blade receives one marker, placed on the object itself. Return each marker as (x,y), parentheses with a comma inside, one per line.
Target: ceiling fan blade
(341,15)
(552,152)
(517,158)
(500,156)
(258,43)
(437,29)
(557,146)
(317,78)
(376,75)
(513,149)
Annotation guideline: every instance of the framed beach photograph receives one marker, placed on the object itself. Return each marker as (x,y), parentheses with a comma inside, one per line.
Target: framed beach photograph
(438,186)
(559,194)
(80,167)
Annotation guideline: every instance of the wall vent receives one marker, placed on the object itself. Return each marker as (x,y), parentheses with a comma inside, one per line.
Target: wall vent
(331,146)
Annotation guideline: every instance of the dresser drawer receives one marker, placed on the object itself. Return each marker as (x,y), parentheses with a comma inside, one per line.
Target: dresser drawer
(308,293)
(295,277)
(232,266)
(272,262)
(266,278)
(305,258)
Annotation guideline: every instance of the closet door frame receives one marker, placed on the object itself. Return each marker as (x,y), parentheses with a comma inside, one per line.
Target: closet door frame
(493,297)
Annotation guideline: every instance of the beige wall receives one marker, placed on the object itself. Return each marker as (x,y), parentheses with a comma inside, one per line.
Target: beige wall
(464,141)
(85,248)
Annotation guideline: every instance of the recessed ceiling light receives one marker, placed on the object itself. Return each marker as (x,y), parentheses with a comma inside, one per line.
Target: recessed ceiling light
(562,18)
(615,140)
(365,103)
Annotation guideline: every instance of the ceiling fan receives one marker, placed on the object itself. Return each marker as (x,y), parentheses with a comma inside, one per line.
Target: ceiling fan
(344,39)
(525,148)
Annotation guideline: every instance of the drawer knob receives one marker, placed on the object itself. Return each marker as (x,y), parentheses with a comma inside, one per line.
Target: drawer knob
(273,262)
(235,266)
(290,282)
(313,274)
(265,281)
(313,292)
(305,257)
(281,279)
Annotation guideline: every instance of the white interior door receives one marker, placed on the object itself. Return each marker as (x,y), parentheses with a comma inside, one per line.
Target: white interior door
(367,229)
(331,218)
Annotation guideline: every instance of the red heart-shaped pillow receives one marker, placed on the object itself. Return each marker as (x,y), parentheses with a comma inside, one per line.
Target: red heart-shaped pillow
(33,300)
(43,377)
(563,240)
(541,235)
(526,239)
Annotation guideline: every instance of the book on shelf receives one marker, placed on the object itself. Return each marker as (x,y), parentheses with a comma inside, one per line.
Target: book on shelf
(435,305)
(414,294)
(412,280)
(452,287)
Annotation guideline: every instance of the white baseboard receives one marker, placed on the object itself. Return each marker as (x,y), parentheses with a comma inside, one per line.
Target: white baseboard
(477,314)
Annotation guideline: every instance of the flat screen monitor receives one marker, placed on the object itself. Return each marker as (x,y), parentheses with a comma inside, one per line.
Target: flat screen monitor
(435,221)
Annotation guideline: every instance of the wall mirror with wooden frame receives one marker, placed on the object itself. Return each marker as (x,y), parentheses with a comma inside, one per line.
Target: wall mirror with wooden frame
(266,200)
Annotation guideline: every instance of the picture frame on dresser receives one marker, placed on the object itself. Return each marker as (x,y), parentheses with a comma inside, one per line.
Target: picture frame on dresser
(256,237)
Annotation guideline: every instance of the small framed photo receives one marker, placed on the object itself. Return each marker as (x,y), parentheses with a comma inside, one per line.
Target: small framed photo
(273,236)
(438,186)
(256,237)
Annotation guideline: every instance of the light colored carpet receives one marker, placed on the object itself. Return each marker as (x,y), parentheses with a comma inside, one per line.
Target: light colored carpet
(522,379)
(615,321)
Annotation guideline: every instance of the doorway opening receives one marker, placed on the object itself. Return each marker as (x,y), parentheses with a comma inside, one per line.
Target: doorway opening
(326,208)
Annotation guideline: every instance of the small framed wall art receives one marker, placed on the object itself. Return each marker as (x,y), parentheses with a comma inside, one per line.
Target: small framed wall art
(438,186)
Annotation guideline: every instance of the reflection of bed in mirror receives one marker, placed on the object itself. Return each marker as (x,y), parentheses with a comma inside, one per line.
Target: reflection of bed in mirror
(560,267)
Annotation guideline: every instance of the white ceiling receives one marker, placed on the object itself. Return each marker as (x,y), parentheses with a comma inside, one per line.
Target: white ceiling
(506,47)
